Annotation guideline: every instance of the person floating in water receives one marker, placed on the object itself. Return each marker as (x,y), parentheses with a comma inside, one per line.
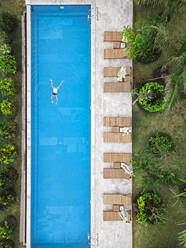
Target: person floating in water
(55,90)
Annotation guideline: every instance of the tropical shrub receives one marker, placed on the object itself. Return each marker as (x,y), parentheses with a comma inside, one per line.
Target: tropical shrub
(6,243)
(7,226)
(152,96)
(8,63)
(5,230)
(8,129)
(128,34)
(7,87)
(12,221)
(179,192)
(8,176)
(8,22)
(177,76)
(141,42)
(160,144)
(6,49)
(7,107)
(148,168)
(7,198)
(3,36)
(7,153)
(151,209)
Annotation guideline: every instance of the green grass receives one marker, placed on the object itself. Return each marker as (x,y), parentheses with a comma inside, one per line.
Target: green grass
(15,7)
(144,125)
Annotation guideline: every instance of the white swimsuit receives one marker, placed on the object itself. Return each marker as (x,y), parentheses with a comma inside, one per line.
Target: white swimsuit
(55,91)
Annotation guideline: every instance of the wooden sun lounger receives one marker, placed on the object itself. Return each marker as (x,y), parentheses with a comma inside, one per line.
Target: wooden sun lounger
(117,137)
(114,216)
(111,36)
(117,87)
(113,71)
(117,157)
(116,44)
(117,199)
(120,53)
(115,173)
(117,121)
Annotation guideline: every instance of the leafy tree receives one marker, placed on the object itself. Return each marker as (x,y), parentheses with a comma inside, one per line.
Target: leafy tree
(8,129)
(8,177)
(7,198)
(141,42)
(7,107)
(8,22)
(6,49)
(8,63)
(7,153)
(178,76)
(7,226)
(7,87)
(151,209)
(3,37)
(6,243)
(5,230)
(148,168)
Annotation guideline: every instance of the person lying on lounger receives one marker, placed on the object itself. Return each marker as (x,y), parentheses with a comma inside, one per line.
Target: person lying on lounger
(54,91)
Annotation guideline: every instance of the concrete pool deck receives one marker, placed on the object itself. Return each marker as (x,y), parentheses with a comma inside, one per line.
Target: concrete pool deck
(107,15)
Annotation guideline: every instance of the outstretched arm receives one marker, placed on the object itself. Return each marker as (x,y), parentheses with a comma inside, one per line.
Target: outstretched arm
(51,83)
(60,85)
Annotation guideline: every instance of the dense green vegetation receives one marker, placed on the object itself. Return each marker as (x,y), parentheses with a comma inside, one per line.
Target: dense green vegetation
(151,209)
(158,138)
(157,44)
(10,121)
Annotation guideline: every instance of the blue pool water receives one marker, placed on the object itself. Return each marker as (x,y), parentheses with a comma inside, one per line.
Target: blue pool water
(61,50)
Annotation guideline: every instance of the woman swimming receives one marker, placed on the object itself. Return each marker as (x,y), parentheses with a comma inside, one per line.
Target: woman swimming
(55,90)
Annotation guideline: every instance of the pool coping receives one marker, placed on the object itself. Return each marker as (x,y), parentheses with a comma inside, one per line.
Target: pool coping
(22,225)
(28,116)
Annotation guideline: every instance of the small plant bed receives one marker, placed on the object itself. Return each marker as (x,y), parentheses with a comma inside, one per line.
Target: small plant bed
(150,96)
(160,144)
(151,209)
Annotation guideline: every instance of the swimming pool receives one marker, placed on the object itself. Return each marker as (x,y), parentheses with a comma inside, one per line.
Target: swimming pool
(60,133)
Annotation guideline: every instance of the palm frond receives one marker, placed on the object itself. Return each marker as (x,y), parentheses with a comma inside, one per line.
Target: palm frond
(176,63)
(177,81)
(151,3)
(162,39)
(182,238)
(179,5)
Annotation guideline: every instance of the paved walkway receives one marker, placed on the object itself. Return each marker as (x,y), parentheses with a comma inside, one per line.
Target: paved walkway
(112,15)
